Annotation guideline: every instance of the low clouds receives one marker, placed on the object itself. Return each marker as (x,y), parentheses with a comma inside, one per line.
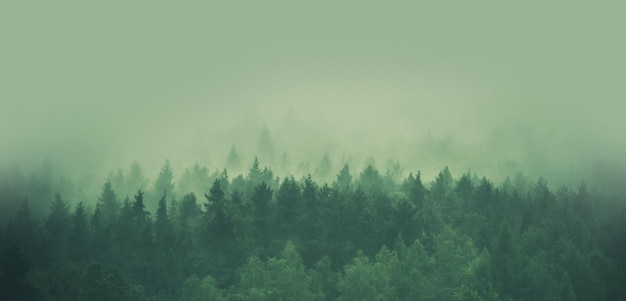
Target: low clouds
(465,85)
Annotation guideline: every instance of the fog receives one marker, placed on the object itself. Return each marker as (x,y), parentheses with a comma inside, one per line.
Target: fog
(491,87)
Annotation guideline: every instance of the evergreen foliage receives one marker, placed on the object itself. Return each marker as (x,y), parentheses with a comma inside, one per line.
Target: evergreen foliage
(372,237)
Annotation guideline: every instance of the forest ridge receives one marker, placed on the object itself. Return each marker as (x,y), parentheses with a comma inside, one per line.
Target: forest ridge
(354,109)
(363,235)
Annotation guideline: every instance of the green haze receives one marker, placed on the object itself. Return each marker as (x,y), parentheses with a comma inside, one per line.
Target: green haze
(312,150)
(537,86)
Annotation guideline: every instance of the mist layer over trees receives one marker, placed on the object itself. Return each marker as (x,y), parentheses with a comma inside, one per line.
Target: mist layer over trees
(469,85)
(327,150)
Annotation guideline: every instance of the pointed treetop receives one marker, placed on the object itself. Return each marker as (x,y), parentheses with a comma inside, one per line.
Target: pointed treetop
(344,179)
(255,165)
(138,206)
(444,179)
(216,194)
(165,180)
(464,184)
(233,161)
(265,144)
(136,178)
(59,206)
(254,174)
(324,168)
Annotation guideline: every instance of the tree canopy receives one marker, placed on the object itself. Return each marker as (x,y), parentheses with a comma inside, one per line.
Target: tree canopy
(374,236)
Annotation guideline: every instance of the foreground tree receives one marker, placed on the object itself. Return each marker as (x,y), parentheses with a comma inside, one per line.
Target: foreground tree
(282,278)
(464,239)
(14,283)
(72,282)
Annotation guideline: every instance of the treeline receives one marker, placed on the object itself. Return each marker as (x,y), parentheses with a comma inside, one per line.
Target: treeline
(363,236)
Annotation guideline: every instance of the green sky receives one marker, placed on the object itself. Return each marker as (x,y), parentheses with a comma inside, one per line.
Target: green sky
(88,81)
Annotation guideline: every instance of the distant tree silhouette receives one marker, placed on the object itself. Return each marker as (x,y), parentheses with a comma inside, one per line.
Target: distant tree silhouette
(324,169)
(344,179)
(136,180)
(233,162)
(266,145)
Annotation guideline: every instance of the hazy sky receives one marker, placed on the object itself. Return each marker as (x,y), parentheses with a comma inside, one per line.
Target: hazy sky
(98,81)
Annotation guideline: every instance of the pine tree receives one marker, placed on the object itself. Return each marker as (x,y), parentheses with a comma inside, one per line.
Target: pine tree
(288,203)
(142,251)
(79,234)
(189,217)
(414,189)
(136,179)
(370,180)
(139,214)
(465,188)
(220,224)
(224,181)
(164,182)
(261,202)
(196,180)
(323,170)
(118,182)
(233,162)
(124,232)
(442,185)
(163,232)
(166,265)
(344,180)
(225,253)
(109,204)
(189,210)
(57,226)
(254,173)
(266,145)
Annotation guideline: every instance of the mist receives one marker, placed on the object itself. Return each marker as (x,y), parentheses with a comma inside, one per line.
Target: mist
(492,88)
(312,150)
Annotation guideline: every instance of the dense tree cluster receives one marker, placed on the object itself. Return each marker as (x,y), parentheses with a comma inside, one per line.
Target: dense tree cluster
(363,236)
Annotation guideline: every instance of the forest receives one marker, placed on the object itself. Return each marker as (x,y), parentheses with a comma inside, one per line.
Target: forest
(408,150)
(359,235)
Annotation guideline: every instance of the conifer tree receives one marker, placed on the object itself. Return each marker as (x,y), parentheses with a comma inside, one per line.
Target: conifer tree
(163,232)
(57,226)
(109,204)
(79,234)
(414,189)
(220,224)
(164,183)
(254,173)
(266,145)
(233,162)
(261,202)
(442,185)
(288,203)
(225,253)
(323,170)
(344,180)
(136,179)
